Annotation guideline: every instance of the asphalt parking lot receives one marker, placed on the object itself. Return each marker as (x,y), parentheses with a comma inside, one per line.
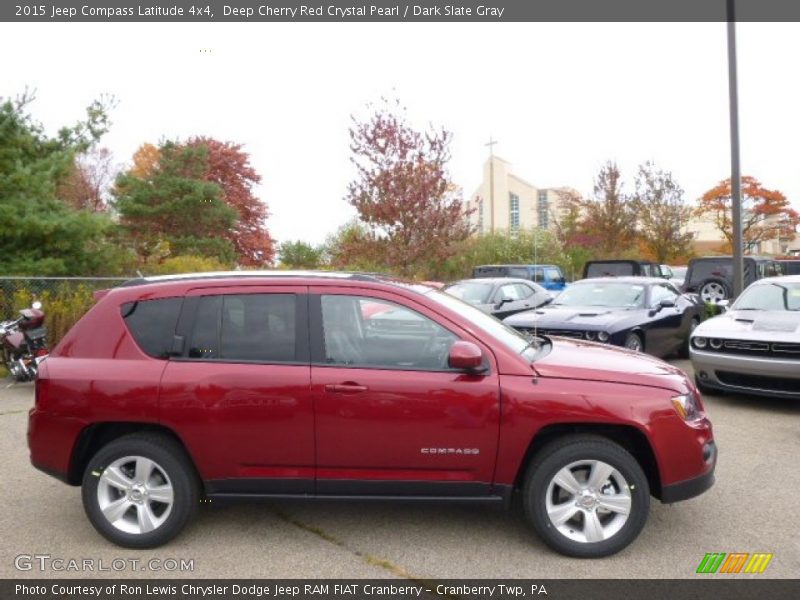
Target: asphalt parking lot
(752,508)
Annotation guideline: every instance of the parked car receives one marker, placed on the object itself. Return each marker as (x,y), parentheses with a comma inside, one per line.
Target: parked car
(676,275)
(711,277)
(754,347)
(501,297)
(550,277)
(621,268)
(790,266)
(644,314)
(272,384)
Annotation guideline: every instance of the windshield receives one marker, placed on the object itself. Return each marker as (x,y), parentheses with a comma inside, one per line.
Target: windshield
(608,294)
(474,293)
(770,296)
(498,330)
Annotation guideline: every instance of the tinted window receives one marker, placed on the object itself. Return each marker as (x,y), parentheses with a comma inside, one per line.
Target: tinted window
(152,324)
(488,272)
(790,267)
(367,332)
(246,327)
(519,272)
(705,269)
(609,269)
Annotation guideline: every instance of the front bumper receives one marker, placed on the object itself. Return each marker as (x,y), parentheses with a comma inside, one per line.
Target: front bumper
(771,377)
(683,490)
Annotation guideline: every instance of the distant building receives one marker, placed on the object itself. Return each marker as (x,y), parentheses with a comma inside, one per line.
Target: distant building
(506,202)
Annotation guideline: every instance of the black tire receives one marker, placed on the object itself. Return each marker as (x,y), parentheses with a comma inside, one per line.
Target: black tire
(171,459)
(574,448)
(634,338)
(684,351)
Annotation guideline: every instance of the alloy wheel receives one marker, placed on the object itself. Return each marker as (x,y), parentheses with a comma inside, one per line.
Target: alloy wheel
(588,501)
(135,494)
(713,292)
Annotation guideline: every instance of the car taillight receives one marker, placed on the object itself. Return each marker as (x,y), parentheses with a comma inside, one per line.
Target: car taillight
(42,352)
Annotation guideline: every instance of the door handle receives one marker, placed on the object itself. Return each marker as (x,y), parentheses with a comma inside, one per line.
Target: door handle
(345,388)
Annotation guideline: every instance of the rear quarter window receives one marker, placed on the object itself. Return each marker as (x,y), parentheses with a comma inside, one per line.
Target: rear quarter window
(152,324)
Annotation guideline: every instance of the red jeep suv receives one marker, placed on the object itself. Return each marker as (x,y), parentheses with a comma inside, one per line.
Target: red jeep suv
(335,385)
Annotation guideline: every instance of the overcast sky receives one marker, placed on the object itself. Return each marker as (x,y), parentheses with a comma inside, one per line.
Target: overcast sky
(560,98)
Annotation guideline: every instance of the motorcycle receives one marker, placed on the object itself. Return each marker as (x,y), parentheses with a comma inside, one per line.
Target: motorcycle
(23,343)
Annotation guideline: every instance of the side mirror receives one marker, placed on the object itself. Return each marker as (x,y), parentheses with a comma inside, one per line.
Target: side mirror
(723,305)
(465,356)
(666,303)
(502,301)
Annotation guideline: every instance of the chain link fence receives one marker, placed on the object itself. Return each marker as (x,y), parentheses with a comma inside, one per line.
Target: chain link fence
(64,299)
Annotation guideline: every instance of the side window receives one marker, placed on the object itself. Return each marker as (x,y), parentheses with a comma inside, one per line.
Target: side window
(245,327)
(373,333)
(661,292)
(152,324)
(510,291)
(520,272)
(538,275)
(523,291)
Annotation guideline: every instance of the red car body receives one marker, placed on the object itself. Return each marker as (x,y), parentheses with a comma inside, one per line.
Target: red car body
(312,429)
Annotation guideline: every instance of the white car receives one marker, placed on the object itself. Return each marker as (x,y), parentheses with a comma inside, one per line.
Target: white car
(754,347)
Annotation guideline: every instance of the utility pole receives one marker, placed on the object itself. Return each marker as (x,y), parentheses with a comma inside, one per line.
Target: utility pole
(736,176)
(491,144)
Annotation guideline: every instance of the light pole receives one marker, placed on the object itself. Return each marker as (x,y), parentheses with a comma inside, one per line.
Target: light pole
(736,176)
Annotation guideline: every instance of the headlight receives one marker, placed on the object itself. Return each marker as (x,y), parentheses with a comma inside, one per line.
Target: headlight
(699,342)
(590,335)
(602,336)
(687,407)
(715,344)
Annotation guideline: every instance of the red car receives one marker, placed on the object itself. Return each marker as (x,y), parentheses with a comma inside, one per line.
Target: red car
(281,385)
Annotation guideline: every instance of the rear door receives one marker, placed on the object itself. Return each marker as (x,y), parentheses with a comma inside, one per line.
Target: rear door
(392,418)
(238,391)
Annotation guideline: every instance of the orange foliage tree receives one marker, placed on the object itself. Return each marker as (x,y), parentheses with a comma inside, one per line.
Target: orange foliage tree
(766,214)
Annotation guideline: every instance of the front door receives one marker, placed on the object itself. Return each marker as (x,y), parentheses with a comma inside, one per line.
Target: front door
(392,418)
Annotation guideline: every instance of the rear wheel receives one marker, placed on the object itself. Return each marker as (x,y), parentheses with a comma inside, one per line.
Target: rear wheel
(586,496)
(139,491)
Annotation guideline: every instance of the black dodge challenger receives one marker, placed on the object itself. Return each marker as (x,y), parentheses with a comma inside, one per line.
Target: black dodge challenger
(644,314)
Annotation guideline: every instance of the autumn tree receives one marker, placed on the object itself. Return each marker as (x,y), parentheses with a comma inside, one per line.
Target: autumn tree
(145,159)
(89,181)
(229,167)
(174,205)
(766,214)
(663,214)
(610,216)
(402,192)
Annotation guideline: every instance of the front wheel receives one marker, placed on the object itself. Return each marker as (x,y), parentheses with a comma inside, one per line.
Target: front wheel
(633,341)
(140,490)
(586,496)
